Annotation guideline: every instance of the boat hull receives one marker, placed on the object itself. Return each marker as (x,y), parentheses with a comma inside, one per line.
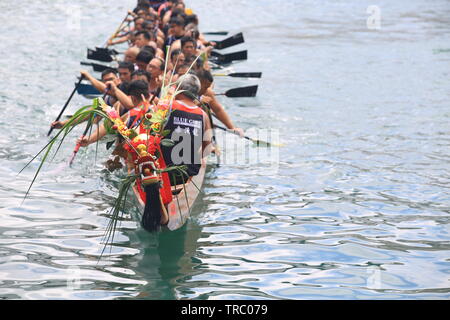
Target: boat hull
(178,210)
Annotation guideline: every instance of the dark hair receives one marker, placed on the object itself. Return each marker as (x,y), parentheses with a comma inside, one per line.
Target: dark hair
(138,88)
(144,5)
(108,71)
(175,53)
(179,21)
(146,24)
(144,56)
(186,39)
(203,74)
(185,65)
(146,34)
(142,73)
(126,65)
(124,87)
(149,49)
(178,14)
(191,19)
(191,59)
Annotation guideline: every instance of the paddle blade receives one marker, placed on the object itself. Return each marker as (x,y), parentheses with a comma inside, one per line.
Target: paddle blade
(229,42)
(244,92)
(97,67)
(106,51)
(246,75)
(99,56)
(230,57)
(217,33)
(87,89)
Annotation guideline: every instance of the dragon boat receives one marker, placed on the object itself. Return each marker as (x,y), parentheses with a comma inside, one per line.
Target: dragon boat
(162,201)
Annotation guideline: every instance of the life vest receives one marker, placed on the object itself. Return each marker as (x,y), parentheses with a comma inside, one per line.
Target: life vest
(185,122)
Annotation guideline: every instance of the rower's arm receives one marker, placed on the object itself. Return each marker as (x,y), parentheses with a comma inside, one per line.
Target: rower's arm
(100,86)
(219,111)
(207,136)
(119,40)
(125,100)
(96,135)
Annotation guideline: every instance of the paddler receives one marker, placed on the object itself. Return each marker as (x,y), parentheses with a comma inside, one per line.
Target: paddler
(138,92)
(190,129)
(108,75)
(208,98)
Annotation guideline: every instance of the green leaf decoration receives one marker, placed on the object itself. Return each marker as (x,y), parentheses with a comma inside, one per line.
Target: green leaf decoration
(133,134)
(167,143)
(117,211)
(165,133)
(108,126)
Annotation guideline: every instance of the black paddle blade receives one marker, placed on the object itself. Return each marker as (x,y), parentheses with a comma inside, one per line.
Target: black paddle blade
(111,52)
(99,56)
(228,58)
(97,67)
(244,92)
(229,42)
(246,75)
(217,33)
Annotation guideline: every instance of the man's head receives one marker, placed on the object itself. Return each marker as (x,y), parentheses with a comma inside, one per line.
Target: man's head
(141,75)
(156,67)
(177,58)
(137,90)
(110,75)
(138,23)
(131,54)
(192,18)
(125,69)
(190,83)
(188,46)
(142,39)
(206,80)
(143,59)
(177,26)
(183,69)
(150,49)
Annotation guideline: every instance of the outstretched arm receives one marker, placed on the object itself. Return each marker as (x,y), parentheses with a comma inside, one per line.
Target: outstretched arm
(100,86)
(219,111)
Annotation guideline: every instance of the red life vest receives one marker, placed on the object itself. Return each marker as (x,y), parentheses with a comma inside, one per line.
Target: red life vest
(185,121)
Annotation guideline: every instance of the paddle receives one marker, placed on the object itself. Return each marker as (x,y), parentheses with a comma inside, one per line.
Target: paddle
(67,103)
(106,45)
(102,54)
(243,92)
(229,42)
(228,58)
(240,75)
(217,33)
(259,143)
(99,56)
(97,67)
(87,90)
